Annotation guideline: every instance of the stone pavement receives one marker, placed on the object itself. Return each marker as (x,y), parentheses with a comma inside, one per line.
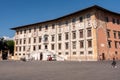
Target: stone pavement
(55,70)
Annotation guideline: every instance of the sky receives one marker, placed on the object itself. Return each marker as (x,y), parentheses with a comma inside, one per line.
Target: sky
(14,13)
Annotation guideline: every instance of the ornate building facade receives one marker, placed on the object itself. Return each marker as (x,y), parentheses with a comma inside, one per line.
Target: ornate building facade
(90,34)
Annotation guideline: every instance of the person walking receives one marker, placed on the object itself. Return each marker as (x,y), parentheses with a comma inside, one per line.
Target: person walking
(114,63)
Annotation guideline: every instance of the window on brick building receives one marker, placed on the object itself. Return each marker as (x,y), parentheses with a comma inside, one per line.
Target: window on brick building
(116,44)
(109,43)
(108,33)
(35,29)
(16,41)
(20,31)
(106,19)
(118,21)
(89,43)
(119,34)
(113,20)
(114,32)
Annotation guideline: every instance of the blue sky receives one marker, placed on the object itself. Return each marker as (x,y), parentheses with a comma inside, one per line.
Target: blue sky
(15,13)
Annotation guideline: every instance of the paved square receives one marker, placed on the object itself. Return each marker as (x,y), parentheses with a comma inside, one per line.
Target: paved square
(45,70)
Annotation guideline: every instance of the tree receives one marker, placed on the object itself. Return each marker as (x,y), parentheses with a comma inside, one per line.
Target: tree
(10,46)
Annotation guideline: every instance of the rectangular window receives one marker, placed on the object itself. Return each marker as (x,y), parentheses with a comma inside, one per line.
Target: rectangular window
(66,45)
(46,27)
(46,46)
(16,41)
(59,53)
(81,19)
(89,33)
(74,20)
(24,42)
(40,39)
(119,34)
(74,53)
(90,52)
(66,53)
(74,44)
(40,28)
(81,33)
(19,48)
(66,23)
(113,20)
(74,34)
(109,44)
(89,43)
(118,22)
(39,47)
(59,46)
(116,44)
(34,41)
(53,26)
(114,34)
(29,41)
(24,31)
(29,30)
(81,53)
(23,48)
(53,38)
(82,44)
(35,29)
(59,37)
(52,46)
(66,36)
(34,48)
(106,19)
(108,33)
(20,41)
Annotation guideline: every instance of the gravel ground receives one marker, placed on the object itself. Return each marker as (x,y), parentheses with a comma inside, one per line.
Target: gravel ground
(56,70)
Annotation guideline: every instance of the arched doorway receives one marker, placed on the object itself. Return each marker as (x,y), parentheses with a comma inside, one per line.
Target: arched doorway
(41,56)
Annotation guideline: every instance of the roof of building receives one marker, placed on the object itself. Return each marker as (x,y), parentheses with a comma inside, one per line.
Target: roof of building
(95,6)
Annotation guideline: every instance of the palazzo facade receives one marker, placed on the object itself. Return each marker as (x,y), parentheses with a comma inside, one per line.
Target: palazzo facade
(90,34)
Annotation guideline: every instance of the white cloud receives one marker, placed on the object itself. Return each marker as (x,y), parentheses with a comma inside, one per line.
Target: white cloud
(8,38)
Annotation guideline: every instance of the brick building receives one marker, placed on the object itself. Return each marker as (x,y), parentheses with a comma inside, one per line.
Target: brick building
(90,34)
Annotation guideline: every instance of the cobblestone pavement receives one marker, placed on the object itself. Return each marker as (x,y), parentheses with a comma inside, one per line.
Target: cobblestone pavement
(55,70)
